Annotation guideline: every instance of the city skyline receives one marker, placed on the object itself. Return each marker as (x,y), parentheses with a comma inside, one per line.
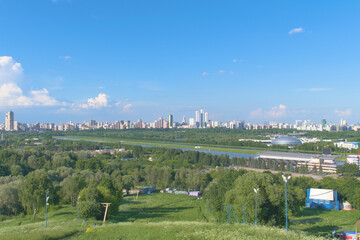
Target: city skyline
(200,120)
(255,61)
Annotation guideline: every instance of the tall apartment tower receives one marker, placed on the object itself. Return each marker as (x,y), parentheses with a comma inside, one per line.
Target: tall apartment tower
(170,120)
(197,118)
(202,118)
(206,119)
(323,122)
(9,121)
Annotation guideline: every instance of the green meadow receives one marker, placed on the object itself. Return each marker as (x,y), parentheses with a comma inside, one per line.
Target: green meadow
(168,216)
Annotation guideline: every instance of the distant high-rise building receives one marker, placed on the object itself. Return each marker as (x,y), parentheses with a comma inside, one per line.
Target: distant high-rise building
(307,123)
(183,120)
(192,122)
(206,118)
(343,122)
(9,121)
(298,123)
(197,116)
(93,123)
(202,118)
(323,122)
(170,120)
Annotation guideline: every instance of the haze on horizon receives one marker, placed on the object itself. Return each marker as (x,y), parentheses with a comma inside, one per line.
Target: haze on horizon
(257,61)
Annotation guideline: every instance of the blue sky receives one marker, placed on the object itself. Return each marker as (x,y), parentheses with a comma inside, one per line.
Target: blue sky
(257,61)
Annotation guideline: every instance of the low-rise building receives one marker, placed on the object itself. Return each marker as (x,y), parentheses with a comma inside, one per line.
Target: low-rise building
(348,145)
(353,159)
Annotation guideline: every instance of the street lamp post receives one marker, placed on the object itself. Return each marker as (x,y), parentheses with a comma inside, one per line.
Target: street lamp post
(46,204)
(256,192)
(78,202)
(286,179)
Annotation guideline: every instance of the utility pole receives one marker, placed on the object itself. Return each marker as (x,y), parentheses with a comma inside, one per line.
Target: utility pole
(256,192)
(46,204)
(286,179)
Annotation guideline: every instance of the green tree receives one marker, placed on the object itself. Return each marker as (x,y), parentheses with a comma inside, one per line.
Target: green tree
(128,183)
(33,192)
(271,204)
(71,187)
(9,198)
(216,190)
(90,199)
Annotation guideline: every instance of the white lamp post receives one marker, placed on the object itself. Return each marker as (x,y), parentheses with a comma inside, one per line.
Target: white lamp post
(78,202)
(46,204)
(286,179)
(256,192)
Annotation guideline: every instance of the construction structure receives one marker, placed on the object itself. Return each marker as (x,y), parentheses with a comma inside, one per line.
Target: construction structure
(322,198)
(106,205)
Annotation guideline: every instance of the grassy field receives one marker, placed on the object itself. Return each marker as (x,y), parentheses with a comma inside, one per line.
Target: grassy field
(159,207)
(162,144)
(189,230)
(155,216)
(323,222)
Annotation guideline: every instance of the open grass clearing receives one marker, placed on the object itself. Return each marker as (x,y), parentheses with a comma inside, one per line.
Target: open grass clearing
(324,222)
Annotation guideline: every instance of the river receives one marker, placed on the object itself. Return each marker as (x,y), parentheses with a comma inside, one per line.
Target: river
(203,149)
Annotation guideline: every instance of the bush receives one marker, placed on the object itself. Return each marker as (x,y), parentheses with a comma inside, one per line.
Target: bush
(90,209)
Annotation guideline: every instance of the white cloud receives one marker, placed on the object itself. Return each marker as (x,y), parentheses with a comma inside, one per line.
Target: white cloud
(237,60)
(296,30)
(231,72)
(127,107)
(275,112)
(10,70)
(204,73)
(345,113)
(258,113)
(221,71)
(65,57)
(10,92)
(100,101)
(12,95)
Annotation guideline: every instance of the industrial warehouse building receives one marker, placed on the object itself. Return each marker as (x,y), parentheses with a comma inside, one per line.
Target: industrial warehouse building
(327,162)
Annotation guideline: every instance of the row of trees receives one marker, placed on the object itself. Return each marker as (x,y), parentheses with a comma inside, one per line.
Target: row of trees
(236,188)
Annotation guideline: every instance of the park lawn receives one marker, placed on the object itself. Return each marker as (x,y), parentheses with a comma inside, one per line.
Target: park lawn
(166,216)
(157,207)
(62,223)
(188,230)
(324,222)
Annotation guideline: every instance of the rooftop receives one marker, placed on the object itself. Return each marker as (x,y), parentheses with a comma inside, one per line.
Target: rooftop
(295,156)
